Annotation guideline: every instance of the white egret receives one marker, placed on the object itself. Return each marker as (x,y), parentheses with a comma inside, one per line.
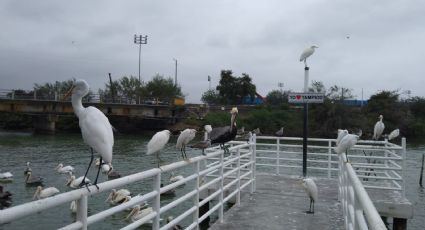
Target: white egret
(221,135)
(341,133)
(379,128)
(395,133)
(307,53)
(158,142)
(279,133)
(6,177)
(31,180)
(41,193)
(184,138)
(346,143)
(311,190)
(95,127)
(64,169)
(76,182)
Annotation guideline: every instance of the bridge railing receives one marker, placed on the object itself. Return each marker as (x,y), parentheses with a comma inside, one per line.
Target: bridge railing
(91,98)
(229,182)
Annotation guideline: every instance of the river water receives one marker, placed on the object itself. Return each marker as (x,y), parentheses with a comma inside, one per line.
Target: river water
(45,152)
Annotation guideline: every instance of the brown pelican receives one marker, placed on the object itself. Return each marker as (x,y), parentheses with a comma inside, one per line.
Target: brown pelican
(221,135)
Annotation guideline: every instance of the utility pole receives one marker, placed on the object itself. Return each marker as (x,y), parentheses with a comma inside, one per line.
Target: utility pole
(111,88)
(175,73)
(209,82)
(140,39)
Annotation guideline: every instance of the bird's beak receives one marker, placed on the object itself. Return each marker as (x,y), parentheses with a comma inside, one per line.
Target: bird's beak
(68,182)
(131,213)
(57,167)
(110,168)
(68,93)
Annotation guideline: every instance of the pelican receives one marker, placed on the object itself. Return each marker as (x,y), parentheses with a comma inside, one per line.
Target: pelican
(311,190)
(76,182)
(61,169)
(95,127)
(208,129)
(307,53)
(41,193)
(221,135)
(395,133)
(379,128)
(137,213)
(118,197)
(158,142)
(31,180)
(341,134)
(5,198)
(184,138)
(27,169)
(174,178)
(346,143)
(6,177)
(175,227)
(113,174)
(73,207)
(279,133)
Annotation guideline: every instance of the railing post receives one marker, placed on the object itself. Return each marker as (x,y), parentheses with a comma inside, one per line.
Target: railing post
(157,201)
(329,158)
(403,170)
(35,94)
(56,96)
(277,156)
(13,94)
(221,209)
(253,165)
(196,198)
(238,195)
(82,211)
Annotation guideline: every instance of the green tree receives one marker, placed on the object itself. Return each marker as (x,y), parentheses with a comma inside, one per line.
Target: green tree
(232,89)
(277,97)
(48,90)
(339,93)
(161,87)
(210,97)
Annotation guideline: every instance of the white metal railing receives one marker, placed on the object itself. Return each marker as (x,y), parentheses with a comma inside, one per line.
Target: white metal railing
(357,207)
(231,180)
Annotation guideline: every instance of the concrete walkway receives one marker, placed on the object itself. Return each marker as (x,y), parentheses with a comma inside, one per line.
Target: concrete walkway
(281,203)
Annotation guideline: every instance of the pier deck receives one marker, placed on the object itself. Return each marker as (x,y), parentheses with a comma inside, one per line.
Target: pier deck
(281,203)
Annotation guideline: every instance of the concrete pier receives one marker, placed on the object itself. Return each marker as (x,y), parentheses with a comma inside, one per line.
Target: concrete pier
(281,203)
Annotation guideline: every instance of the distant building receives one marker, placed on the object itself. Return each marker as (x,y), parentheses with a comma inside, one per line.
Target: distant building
(257,100)
(356,103)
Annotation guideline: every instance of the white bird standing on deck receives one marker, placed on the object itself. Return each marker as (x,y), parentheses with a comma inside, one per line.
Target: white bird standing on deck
(184,138)
(41,193)
(158,142)
(346,143)
(61,169)
(307,53)
(395,133)
(95,127)
(311,189)
(379,128)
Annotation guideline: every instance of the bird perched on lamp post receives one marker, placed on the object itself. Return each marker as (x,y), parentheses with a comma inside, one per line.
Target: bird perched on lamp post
(307,53)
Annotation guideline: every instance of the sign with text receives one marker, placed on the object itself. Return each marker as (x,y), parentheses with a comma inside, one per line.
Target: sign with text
(306,97)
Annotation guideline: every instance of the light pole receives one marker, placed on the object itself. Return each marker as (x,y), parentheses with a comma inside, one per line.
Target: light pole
(175,72)
(140,39)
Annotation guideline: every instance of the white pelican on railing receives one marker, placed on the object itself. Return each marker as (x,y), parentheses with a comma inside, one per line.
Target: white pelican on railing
(41,193)
(61,169)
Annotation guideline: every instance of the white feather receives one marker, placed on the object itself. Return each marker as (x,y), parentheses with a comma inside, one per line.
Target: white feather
(158,141)
(395,133)
(185,137)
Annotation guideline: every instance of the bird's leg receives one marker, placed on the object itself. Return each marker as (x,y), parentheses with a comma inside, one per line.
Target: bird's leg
(313,205)
(98,170)
(346,155)
(184,151)
(83,182)
(181,151)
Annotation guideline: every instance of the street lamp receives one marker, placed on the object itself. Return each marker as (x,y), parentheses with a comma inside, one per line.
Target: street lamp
(140,39)
(175,73)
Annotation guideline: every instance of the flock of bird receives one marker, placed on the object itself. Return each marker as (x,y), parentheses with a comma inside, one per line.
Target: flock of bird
(97,133)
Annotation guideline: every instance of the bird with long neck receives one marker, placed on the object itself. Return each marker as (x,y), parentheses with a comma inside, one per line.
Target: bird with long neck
(307,53)
(221,135)
(95,127)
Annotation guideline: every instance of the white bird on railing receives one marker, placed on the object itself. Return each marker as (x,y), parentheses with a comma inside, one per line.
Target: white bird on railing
(311,190)
(95,127)
(379,128)
(158,142)
(307,53)
(395,133)
(184,138)
(279,133)
(41,193)
(347,142)
(341,133)
(6,177)
(61,169)
(76,182)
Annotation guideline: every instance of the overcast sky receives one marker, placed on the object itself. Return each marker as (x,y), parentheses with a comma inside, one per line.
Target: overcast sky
(369,45)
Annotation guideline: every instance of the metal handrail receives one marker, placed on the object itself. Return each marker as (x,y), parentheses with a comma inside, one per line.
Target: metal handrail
(81,195)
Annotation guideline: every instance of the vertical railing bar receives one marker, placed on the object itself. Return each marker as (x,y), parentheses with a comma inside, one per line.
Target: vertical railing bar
(403,172)
(238,195)
(82,211)
(277,156)
(329,158)
(221,209)
(157,201)
(196,199)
